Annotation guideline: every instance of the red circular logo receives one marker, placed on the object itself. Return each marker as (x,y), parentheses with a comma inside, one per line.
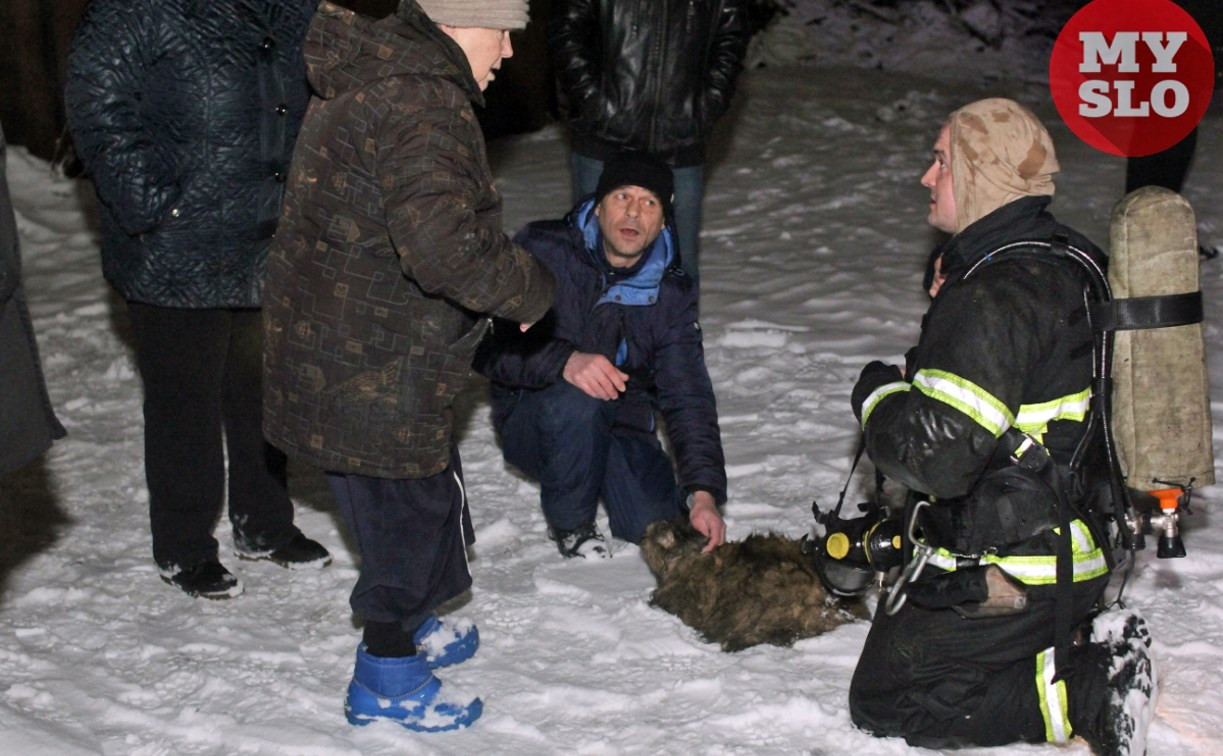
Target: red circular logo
(1131,77)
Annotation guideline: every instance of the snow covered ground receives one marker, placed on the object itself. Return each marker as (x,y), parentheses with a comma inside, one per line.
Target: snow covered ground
(813,247)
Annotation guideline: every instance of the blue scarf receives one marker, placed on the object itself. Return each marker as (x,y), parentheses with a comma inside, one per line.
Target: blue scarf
(641,288)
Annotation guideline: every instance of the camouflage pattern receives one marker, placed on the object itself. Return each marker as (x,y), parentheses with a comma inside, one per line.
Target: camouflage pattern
(390,245)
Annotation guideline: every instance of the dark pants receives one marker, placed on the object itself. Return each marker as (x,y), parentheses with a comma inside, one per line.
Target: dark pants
(941,681)
(570,443)
(202,372)
(1167,169)
(412,536)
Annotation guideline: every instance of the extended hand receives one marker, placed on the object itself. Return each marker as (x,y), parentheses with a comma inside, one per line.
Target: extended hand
(705,517)
(594,374)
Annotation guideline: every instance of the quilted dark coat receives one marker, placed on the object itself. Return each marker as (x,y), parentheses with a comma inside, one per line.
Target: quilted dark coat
(649,75)
(389,246)
(184,113)
(642,318)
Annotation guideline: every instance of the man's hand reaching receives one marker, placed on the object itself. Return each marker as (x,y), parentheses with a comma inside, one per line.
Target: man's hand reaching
(594,374)
(705,517)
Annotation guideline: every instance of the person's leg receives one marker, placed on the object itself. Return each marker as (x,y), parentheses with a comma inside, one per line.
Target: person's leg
(560,436)
(689,196)
(586,172)
(639,485)
(941,681)
(411,535)
(1167,168)
(181,354)
(412,538)
(259,506)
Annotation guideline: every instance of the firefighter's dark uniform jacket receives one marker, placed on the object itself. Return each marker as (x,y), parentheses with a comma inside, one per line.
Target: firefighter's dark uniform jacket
(1008,346)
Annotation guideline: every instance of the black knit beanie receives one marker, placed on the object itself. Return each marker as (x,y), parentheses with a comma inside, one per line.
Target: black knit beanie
(637,169)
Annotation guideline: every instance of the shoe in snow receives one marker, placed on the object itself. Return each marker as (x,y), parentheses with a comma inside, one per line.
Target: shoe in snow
(299,553)
(405,691)
(446,642)
(1131,688)
(208,580)
(584,541)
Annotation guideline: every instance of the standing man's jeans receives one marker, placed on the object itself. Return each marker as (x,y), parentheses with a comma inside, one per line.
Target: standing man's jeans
(689,195)
(568,441)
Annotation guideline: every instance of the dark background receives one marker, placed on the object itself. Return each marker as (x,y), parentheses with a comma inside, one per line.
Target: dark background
(36,34)
(35,48)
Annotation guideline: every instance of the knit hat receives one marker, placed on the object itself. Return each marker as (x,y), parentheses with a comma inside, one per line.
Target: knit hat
(637,169)
(1000,152)
(485,14)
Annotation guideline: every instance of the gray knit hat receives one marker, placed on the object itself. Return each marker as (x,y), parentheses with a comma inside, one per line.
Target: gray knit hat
(485,14)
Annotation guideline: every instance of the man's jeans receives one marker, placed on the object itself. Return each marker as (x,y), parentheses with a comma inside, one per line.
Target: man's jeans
(689,194)
(568,441)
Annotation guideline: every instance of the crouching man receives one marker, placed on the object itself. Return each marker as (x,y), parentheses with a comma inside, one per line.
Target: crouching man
(1002,372)
(574,398)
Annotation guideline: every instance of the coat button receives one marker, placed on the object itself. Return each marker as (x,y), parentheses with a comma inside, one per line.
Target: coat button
(267,45)
(281,109)
(279,176)
(175,212)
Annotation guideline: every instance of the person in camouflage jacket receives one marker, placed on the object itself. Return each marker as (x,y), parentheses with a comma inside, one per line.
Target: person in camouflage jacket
(390,248)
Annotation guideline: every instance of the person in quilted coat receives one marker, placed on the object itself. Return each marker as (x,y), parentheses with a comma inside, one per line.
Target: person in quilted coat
(184,114)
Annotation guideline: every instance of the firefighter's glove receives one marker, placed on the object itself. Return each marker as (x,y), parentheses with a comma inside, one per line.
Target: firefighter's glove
(973,592)
(874,375)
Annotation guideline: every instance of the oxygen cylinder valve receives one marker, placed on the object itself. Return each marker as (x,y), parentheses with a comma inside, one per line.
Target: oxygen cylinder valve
(1167,522)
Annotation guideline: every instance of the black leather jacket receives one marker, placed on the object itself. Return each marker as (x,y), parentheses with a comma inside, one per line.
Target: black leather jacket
(650,75)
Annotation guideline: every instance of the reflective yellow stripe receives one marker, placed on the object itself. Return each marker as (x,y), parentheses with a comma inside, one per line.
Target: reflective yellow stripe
(1054,707)
(967,397)
(876,396)
(1088,560)
(1034,419)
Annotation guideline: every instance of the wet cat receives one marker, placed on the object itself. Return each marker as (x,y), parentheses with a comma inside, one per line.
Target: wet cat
(762,589)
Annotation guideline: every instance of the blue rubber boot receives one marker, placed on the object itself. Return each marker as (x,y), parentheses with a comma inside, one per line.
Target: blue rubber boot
(404,690)
(445,642)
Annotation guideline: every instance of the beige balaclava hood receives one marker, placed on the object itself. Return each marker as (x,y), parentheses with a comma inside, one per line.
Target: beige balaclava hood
(485,14)
(1000,152)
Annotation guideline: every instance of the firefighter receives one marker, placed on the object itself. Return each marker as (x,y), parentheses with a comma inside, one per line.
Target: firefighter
(986,423)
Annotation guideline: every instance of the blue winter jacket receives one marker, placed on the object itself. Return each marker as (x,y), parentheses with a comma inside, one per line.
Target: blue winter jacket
(184,113)
(642,318)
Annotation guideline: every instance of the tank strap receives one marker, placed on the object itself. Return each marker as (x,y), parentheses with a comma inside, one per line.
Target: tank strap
(1133,313)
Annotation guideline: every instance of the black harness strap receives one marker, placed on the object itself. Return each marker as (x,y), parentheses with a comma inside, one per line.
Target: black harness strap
(1036,457)
(1134,313)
